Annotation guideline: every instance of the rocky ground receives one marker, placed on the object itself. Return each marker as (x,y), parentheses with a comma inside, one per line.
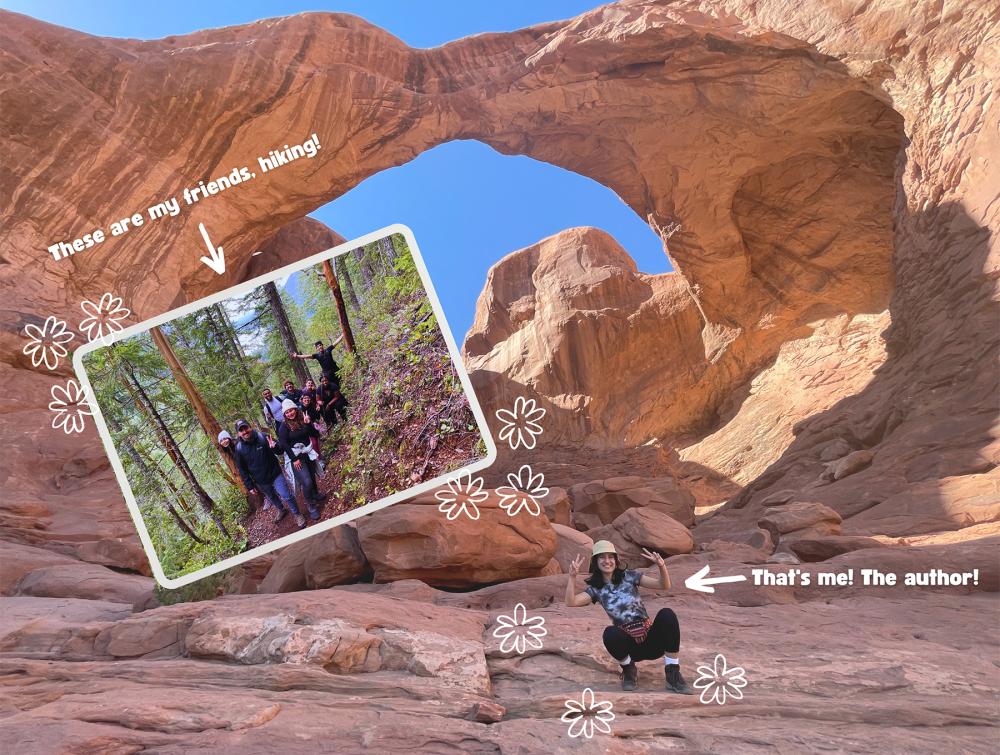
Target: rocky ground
(410,668)
(823,360)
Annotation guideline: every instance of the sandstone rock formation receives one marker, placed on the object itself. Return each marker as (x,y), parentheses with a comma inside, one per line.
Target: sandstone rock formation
(602,501)
(570,544)
(330,558)
(416,541)
(646,527)
(828,197)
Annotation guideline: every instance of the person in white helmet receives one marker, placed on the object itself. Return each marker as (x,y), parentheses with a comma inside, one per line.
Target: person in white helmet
(632,636)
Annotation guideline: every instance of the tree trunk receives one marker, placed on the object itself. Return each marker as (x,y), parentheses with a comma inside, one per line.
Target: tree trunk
(144,468)
(178,494)
(170,445)
(206,419)
(286,332)
(345,280)
(183,524)
(226,335)
(364,265)
(338,299)
(389,252)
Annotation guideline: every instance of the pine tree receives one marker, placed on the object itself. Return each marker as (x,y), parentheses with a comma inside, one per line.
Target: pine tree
(170,445)
(205,416)
(345,325)
(285,330)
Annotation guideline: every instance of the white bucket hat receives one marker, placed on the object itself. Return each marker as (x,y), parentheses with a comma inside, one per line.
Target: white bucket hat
(603,546)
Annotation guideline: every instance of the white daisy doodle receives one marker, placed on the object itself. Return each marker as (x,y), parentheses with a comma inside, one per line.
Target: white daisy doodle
(48,343)
(70,405)
(104,317)
(717,681)
(461,497)
(587,716)
(519,631)
(523,492)
(521,424)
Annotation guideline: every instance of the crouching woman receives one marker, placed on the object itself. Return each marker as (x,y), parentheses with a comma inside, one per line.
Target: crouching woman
(632,636)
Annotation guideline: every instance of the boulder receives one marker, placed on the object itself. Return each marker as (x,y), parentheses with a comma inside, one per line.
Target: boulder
(797,517)
(821,548)
(835,449)
(736,551)
(417,541)
(82,580)
(557,507)
(330,558)
(639,528)
(17,560)
(115,552)
(600,502)
(756,538)
(853,462)
(570,544)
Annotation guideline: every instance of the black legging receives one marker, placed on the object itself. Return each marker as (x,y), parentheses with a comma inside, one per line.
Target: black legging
(664,637)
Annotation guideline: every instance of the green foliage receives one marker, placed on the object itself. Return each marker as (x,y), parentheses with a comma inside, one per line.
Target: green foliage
(409,420)
(204,589)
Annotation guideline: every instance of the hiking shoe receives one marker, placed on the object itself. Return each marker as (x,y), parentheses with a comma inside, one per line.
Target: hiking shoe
(279,515)
(268,505)
(630,677)
(314,513)
(675,682)
(300,520)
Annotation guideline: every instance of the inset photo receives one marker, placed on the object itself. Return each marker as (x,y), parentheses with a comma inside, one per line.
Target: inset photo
(284,406)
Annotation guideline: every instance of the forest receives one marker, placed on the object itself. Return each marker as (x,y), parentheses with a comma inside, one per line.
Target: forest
(168,393)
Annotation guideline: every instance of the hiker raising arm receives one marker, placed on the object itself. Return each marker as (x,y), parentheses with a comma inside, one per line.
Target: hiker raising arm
(575,599)
(632,636)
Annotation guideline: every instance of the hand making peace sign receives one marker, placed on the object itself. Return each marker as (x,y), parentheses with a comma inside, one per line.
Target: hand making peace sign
(656,558)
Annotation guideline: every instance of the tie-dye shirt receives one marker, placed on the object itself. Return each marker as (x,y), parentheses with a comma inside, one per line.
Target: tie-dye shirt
(622,603)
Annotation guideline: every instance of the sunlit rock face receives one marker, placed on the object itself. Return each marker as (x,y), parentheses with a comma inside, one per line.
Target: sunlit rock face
(822,179)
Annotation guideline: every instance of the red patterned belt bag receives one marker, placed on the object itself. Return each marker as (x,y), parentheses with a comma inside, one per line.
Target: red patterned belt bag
(637,630)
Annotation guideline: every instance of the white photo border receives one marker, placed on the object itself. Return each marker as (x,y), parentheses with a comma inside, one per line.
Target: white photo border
(245,288)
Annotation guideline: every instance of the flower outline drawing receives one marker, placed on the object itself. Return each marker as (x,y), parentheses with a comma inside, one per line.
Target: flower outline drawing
(70,405)
(719,681)
(507,631)
(588,716)
(103,318)
(523,492)
(521,425)
(461,497)
(47,344)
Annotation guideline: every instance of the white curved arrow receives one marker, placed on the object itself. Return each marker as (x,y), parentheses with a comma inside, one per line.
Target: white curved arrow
(702,583)
(218,260)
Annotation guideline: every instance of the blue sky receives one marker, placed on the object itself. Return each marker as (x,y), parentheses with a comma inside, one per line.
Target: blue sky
(468,205)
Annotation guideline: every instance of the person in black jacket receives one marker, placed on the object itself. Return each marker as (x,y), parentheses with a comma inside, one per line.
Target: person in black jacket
(333,400)
(295,436)
(257,460)
(324,355)
(309,409)
(290,392)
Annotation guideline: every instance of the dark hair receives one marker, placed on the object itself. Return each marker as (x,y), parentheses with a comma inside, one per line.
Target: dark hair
(596,578)
(295,423)
(318,343)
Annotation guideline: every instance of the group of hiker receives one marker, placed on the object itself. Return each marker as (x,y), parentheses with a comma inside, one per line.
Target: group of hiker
(297,416)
